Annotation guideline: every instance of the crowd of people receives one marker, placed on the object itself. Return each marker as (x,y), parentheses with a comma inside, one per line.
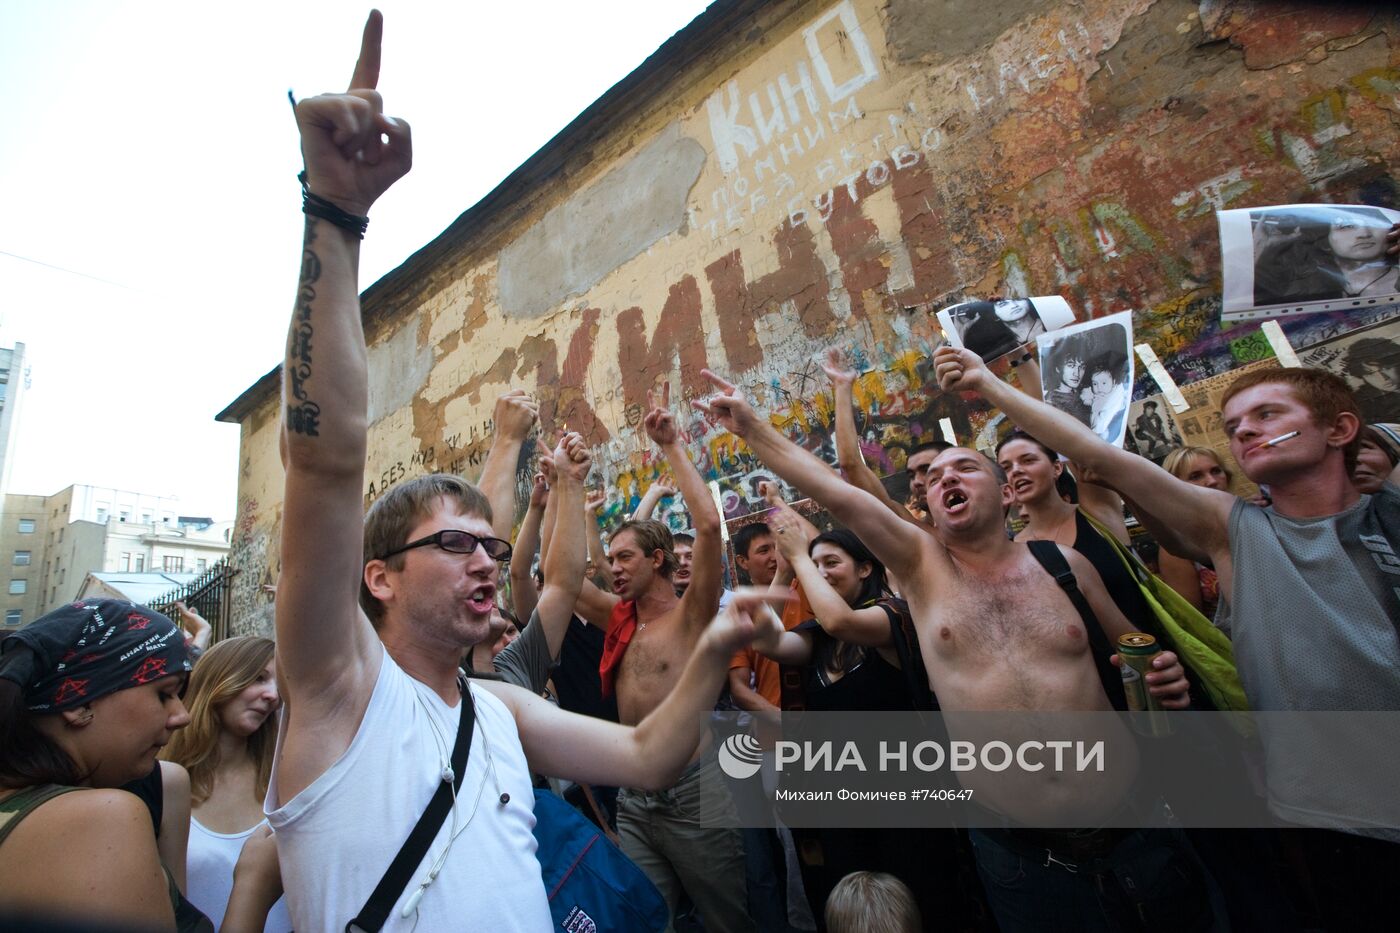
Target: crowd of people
(275,784)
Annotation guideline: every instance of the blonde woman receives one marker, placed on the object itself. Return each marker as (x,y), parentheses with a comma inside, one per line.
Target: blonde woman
(1199,466)
(227,750)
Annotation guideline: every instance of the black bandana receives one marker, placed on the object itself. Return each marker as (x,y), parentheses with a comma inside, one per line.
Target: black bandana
(88,649)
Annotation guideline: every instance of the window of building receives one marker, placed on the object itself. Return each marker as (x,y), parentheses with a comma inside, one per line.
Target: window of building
(123,515)
(13,617)
(174,564)
(26,526)
(145,518)
(102,516)
(125,563)
(201,565)
(60,534)
(140,563)
(18,586)
(21,558)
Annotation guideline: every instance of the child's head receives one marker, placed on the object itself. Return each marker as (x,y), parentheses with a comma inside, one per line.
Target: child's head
(1103,382)
(872,902)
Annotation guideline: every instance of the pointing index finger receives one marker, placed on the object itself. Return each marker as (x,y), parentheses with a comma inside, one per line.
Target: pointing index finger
(366,74)
(718,381)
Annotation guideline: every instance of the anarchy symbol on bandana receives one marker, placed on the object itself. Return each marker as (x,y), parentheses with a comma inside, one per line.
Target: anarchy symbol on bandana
(150,669)
(70,689)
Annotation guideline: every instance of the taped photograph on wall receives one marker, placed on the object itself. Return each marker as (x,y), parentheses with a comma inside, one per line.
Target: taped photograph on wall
(1302,258)
(1152,429)
(992,329)
(1369,360)
(1086,370)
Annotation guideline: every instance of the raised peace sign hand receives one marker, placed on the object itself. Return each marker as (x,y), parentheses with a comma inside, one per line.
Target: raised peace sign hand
(353,152)
(660,423)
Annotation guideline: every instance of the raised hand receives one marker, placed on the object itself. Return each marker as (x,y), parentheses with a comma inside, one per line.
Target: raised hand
(515,414)
(789,531)
(837,367)
(728,407)
(735,627)
(660,423)
(547,469)
(353,152)
(958,370)
(595,501)
(539,491)
(572,457)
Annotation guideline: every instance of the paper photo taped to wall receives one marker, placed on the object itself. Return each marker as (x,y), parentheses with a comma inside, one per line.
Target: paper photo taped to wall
(992,329)
(1152,429)
(1369,360)
(1300,258)
(1086,370)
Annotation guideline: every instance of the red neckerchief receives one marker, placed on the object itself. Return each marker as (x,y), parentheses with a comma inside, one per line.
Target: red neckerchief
(622,625)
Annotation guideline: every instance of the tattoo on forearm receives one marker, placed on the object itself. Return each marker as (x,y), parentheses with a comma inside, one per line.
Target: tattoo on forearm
(303,418)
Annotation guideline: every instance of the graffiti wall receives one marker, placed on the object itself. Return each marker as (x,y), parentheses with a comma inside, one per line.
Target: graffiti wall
(829,174)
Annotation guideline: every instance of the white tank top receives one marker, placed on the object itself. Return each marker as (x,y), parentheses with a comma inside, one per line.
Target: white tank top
(209,868)
(336,837)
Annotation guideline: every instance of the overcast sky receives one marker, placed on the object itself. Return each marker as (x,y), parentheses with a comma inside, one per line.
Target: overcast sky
(150,222)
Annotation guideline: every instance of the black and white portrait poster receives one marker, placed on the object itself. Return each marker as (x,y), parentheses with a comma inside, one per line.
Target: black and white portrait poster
(1369,360)
(1152,429)
(1086,370)
(992,329)
(1299,258)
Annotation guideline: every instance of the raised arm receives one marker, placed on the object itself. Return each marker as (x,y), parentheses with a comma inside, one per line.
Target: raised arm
(897,544)
(652,754)
(869,626)
(199,628)
(701,599)
(563,572)
(597,552)
(658,490)
(523,595)
(848,455)
(327,651)
(511,422)
(1201,515)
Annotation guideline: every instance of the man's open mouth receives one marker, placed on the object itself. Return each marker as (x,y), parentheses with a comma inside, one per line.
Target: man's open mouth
(482,598)
(954,500)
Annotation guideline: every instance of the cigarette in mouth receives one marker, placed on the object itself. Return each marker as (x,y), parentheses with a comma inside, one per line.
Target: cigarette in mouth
(1274,442)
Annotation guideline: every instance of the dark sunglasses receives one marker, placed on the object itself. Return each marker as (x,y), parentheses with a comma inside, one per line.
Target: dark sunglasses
(459,542)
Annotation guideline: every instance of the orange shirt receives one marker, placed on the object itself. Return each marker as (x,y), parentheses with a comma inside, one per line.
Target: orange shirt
(767,672)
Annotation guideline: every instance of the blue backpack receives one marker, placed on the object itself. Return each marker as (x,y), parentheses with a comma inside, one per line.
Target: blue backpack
(592,886)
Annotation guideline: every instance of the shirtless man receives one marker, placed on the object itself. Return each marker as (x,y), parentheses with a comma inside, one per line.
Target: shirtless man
(1309,584)
(997,633)
(652,633)
(373,706)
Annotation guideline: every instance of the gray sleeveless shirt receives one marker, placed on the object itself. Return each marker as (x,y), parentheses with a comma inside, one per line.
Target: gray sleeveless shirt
(1315,614)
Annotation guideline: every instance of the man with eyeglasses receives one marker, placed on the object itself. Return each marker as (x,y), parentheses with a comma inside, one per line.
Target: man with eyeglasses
(373,695)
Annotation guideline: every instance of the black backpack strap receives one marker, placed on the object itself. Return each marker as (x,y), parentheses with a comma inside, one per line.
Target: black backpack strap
(906,648)
(376,910)
(1049,556)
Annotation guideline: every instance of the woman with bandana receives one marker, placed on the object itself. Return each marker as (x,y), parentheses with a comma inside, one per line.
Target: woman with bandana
(89,694)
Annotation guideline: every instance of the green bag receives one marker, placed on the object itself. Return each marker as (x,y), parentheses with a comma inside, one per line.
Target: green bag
(1180,627)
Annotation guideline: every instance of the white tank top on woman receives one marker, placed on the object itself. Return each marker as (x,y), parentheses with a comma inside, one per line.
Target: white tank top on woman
(336,837)
(209,868)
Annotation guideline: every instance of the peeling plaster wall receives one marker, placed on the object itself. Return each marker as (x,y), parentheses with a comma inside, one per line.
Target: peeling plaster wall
(814,177)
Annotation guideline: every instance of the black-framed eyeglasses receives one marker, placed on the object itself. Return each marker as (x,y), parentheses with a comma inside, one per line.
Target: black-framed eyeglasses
(459,542)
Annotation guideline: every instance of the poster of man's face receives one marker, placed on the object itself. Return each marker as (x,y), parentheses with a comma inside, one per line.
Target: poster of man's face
(1369,360)
(992,329)
(1087,371)
(1306,257)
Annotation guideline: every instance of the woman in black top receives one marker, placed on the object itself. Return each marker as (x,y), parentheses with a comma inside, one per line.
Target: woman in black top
(858,654)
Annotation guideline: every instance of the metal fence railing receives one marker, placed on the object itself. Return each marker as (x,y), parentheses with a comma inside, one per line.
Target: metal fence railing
(207,594)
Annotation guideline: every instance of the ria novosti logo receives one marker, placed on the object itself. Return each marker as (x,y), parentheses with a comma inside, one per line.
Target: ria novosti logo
(740,756)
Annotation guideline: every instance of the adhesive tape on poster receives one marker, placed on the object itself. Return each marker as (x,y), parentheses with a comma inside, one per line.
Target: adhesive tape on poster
(946,426)
(1164,379)
(1279,342)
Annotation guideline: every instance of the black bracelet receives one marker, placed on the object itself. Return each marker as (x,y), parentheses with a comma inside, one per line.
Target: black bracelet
(316,206)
